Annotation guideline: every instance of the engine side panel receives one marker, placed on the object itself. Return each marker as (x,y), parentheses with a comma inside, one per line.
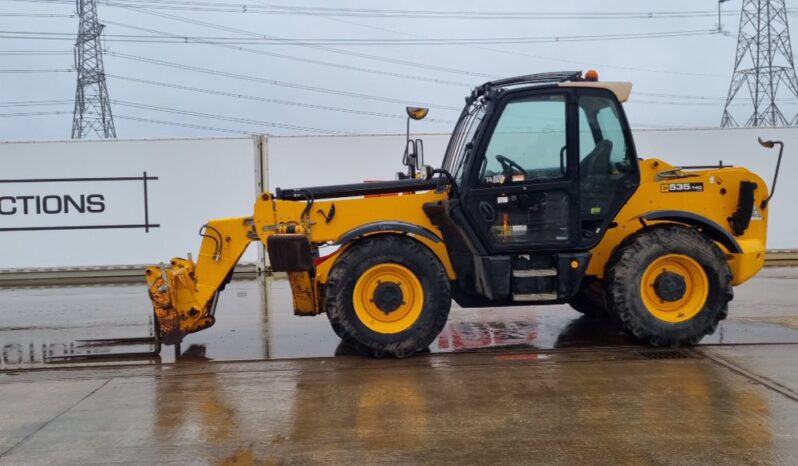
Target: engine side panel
(710,193)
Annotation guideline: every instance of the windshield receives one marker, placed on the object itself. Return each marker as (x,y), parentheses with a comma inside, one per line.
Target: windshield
(462,137)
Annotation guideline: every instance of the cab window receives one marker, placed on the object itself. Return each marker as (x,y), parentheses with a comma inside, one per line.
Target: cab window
(599,121)
(528,142)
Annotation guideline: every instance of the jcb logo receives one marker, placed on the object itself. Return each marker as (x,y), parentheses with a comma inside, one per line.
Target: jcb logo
(681,187)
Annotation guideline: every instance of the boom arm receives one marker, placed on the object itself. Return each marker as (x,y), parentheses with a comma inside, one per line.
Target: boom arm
(184,294)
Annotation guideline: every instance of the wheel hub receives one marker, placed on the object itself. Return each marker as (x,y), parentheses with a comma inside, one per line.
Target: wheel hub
(388,296)
(674,287)
(670,286)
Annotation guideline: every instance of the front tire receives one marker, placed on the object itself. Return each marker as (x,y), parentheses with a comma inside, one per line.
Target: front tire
(669,285)
(388,295)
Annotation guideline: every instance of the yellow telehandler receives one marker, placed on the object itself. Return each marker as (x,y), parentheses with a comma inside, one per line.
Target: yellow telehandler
(541,199)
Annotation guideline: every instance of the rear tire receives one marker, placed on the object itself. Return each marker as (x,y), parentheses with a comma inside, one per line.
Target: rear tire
(669,285)
(388,295)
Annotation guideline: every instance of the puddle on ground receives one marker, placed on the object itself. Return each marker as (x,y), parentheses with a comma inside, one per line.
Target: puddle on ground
(39,326)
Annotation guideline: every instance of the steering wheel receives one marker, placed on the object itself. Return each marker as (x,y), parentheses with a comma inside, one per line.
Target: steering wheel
(508,164)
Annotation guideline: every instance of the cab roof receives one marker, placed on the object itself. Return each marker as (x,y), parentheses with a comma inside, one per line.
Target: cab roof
(621,89)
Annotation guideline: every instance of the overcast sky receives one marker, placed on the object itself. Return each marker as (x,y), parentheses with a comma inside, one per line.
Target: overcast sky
(678,81)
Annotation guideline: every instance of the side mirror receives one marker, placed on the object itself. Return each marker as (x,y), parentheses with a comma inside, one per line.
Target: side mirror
(411,155)
(414,148)
(414,156)
(417,113)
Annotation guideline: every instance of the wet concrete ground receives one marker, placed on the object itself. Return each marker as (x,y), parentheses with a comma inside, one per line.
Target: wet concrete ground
(529,385)
(255,321)
(570,407)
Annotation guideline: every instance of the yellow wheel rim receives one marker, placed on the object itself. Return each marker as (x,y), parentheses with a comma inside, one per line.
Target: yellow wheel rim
(402,309)
(675,307)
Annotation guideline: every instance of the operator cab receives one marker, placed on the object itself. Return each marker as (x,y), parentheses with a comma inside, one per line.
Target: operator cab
(541,165)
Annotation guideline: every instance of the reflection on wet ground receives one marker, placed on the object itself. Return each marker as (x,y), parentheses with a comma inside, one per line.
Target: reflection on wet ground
(255,321)
(537,385)
(453,415)
(473,408)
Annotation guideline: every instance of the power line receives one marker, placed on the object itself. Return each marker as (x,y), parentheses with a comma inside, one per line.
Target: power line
(226,118)
(426,67)
(34,52)
(36,15)
(272,82)
(524,54)
(49,2)
(424,14)
(352,53)
(35,103)
(678,96)
(270,100)
(379,58)
(43,70)
(688,104)
(409,13)
(708,101)
(182,125)
(273,41)
(26,114)
(293,57)
(387,115)
(396,13)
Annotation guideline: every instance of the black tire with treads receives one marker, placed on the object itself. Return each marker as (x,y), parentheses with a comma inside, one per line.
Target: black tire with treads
(625,271)
(367,253)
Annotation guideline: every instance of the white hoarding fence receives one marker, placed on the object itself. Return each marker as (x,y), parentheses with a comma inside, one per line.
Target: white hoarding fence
(119,202)
(738,147)
(124,202)
(52,204)
(319,160)
(323,160)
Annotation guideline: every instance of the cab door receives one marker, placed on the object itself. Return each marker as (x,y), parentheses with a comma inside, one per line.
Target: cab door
(523,188)
(608,170)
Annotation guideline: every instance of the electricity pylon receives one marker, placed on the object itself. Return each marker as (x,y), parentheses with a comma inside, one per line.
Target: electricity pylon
(92,108)
(764,61)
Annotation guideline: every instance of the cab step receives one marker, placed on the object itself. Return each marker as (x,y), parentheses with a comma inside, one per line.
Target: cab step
(529,273)
(534,296)
(534,278)
(544,277)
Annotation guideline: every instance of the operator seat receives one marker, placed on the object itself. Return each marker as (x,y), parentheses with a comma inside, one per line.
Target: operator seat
(595,183)
(596,165)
